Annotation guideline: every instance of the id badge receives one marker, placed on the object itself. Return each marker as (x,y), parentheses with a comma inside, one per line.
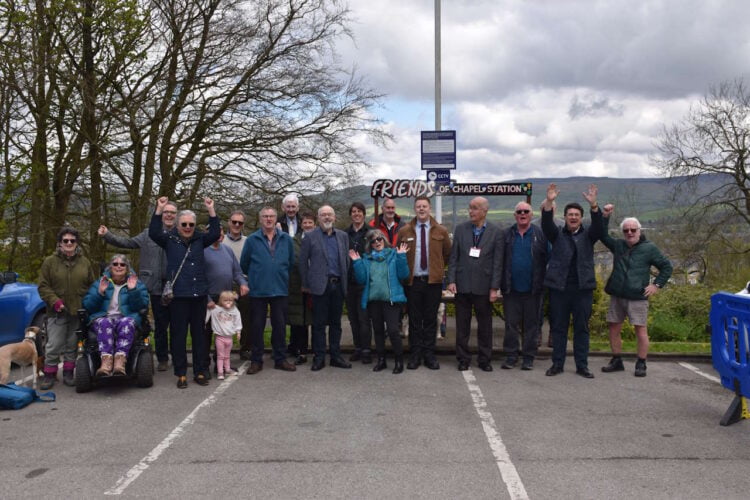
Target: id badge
(474,252)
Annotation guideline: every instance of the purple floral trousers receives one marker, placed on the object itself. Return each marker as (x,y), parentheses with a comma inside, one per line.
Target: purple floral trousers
(114,334)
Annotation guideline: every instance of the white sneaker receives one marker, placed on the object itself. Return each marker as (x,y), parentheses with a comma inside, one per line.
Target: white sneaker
(221,377)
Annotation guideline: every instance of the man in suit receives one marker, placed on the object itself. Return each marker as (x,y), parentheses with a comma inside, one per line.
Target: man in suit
(323,268)
(429,249)
(474,274)
(290,222)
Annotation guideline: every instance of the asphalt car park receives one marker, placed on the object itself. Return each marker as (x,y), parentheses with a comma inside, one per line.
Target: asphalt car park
(359,434)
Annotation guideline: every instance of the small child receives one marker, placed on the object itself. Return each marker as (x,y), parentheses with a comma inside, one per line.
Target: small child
(226,322)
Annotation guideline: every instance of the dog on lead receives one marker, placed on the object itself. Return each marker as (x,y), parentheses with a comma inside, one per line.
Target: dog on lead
(22,353)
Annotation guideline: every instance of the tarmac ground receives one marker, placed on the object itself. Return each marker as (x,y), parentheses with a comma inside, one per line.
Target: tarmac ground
(360,434)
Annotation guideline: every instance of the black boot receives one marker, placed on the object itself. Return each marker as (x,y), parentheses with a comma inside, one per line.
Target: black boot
(398,365)
(380,365)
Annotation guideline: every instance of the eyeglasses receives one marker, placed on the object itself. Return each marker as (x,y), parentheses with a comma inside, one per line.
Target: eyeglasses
(237,222)
(522,212)
(629,230)
(118,264)
(169,212)
(187,224)
(377,238)
(68,240)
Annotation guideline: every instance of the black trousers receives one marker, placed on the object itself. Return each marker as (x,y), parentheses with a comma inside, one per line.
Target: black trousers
(187,313)
(359,320)
(483,311)
(522,318)
(385,319)
(278,308)
(243,304)
(161,328)
(424,300)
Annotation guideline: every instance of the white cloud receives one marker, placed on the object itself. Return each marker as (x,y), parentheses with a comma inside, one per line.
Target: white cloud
(548,88)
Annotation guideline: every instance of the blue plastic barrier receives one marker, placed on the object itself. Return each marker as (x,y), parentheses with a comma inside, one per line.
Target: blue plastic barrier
(730,348)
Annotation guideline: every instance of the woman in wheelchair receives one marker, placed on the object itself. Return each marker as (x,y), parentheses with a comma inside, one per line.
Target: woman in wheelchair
(113,304)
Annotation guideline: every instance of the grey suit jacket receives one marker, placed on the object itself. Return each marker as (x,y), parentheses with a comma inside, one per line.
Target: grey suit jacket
(313,263)
(477,275)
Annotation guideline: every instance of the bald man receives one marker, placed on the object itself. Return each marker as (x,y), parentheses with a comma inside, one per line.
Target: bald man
(474,278)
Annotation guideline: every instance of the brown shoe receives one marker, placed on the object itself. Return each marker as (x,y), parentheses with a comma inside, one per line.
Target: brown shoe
(254,368)
(286,366)
(106,367)
(119,368)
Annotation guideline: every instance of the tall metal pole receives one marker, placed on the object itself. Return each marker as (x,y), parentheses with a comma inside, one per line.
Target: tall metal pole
(438,99)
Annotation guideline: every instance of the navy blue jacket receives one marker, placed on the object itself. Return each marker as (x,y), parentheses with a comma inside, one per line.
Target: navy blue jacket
(192,281)
(564,245)
(538,258)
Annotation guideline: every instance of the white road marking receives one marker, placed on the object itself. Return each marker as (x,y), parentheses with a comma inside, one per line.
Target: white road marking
(699,372)
(508,471)
(178,431)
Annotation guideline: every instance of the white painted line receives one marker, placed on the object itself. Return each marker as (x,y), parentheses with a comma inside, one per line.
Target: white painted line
(507,470)
(178,431)
(699,372)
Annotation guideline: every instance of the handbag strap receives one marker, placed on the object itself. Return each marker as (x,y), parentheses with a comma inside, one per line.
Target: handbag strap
(181,264)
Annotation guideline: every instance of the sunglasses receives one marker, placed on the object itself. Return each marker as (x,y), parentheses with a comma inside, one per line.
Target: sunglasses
(118,264)
(187,224)
(377,238)
(67,240)
(237,222)
(628,230)
(522,212)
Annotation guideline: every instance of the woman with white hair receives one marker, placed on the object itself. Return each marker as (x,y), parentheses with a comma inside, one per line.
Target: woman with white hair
(630,287)
(114,303)
(186,271)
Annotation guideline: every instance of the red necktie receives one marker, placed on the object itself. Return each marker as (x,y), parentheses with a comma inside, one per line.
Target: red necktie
(423,249)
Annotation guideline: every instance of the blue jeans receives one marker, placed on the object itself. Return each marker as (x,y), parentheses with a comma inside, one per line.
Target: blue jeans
(327,309)
(562,305)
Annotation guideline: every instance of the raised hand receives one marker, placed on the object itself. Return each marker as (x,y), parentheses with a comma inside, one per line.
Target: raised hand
(590,195)
(608,209)
(210,206)
(402,248)
(102,230)
(552,192)
(353,254)
(132,281)
(161,203)
(103,284)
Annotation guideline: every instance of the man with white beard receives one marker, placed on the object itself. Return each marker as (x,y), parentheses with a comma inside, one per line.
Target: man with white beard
(323,268)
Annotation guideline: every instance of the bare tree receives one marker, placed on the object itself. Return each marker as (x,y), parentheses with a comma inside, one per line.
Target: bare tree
(712,140)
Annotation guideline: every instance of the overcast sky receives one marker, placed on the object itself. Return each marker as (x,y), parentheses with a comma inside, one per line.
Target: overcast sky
(542,88)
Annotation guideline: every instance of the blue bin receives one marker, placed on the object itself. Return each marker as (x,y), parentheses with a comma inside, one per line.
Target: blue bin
(730,349)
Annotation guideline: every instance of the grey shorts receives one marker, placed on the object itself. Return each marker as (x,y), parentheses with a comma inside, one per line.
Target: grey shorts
(635,310)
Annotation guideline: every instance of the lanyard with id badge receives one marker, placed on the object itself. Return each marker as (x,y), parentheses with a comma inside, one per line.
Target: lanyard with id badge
(475,251)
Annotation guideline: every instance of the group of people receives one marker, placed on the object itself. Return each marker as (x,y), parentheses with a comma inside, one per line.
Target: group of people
(299,270)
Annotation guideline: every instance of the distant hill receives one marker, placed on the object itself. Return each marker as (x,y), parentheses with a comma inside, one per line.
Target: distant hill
(645,198)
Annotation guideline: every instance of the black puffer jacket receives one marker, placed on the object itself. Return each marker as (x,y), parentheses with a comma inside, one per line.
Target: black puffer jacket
(565,245)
